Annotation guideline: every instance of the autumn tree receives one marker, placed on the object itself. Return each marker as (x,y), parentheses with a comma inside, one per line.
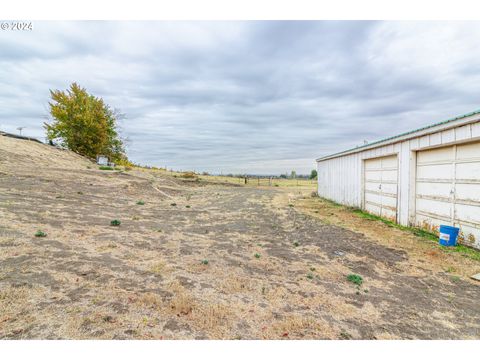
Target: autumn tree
(84,123)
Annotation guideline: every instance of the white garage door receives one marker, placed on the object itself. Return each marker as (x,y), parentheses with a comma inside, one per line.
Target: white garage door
(380,186)
(448,190)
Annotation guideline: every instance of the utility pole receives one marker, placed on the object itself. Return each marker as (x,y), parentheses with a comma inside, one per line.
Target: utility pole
(20,128)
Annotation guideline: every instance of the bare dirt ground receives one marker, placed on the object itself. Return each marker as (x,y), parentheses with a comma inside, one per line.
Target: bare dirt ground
(208,261)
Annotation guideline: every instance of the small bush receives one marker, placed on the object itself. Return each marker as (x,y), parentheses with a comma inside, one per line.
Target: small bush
(257,255)
(115,222)
(140,202)
(187,206)
(188,175)
(205,262)
(105,168)
(173,204)
(356,279)
(296,244)
(40,233)
(310,276)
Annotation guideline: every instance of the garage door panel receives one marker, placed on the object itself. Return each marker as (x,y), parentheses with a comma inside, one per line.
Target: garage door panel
(468,171)
(373,164)
(389,175)
(370,186)
(389,189)
(388,201)
(435,155)
(435,171)
(467,213)
(373,209)
(373,198)
(434,189)
(468,151)
(443,209)
(468,192)
(389,162)
(373,175)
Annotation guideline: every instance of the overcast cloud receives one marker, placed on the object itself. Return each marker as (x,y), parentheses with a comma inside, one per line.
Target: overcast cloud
(255,97)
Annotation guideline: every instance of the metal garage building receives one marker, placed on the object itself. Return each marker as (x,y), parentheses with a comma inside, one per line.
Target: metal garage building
(425,178)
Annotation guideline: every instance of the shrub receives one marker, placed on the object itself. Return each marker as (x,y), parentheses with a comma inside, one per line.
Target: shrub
(257,255)
(173,204)
(354,278)
(40,233)
(188,175)
(115,222)
(140,202)
(105,168)
(296,244)
(205,262)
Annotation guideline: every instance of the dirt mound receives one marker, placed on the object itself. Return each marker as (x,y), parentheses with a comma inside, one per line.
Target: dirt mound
(17,154)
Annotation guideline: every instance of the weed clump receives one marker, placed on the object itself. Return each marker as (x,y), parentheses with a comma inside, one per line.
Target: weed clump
(140,202)
(356,279)
(115,222)
(40,233)
(173,204)
(105,168)
(205,262)
(296,244)
(257,255)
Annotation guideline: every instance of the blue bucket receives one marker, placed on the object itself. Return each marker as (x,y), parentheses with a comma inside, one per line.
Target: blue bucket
(448,235)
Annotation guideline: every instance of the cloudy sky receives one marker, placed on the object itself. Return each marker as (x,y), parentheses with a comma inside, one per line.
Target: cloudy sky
(254,97)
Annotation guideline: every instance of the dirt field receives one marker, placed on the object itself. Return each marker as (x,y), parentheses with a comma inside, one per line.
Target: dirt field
(202,260)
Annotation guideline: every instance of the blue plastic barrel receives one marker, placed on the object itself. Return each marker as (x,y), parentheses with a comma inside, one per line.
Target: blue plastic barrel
(448,235)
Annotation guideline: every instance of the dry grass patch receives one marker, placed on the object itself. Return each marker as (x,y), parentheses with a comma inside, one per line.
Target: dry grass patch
(215,318)
(182,302)
(159,267)
(298,326)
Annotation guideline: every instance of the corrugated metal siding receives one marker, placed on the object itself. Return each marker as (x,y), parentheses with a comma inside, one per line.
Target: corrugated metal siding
(341,178)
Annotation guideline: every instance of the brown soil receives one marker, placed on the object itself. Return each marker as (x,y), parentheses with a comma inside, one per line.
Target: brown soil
(145,278)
